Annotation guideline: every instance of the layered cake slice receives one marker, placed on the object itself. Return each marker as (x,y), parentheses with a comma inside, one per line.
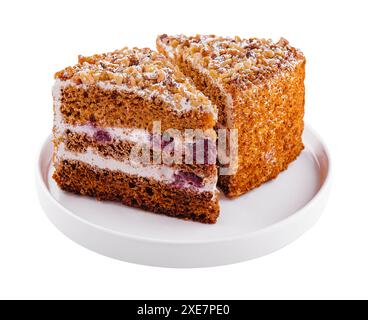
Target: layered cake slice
(129,127)
(258,87)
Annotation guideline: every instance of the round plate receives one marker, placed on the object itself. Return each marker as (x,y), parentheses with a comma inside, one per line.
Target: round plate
(255,224)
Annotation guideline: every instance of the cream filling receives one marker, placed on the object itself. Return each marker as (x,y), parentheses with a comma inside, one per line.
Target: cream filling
(162,173)
(139,136)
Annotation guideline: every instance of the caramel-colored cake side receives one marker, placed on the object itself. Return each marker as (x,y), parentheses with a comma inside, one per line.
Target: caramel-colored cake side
(258,87)
(270,127)
(105,145)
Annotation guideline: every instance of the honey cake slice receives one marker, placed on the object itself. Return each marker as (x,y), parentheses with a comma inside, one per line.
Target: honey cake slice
(105,108)
(258,87)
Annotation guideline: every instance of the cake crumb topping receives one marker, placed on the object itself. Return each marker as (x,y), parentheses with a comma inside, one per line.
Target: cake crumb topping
(233,60)
(141,70)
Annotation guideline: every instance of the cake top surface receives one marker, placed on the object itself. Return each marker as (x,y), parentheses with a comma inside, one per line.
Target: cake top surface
(236,61)
(143,71)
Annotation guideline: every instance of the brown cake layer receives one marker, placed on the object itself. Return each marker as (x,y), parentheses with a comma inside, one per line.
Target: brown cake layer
(147,194)
(116,108)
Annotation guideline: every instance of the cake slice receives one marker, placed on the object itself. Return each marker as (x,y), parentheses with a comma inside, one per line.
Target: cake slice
(258,87)
(119,119)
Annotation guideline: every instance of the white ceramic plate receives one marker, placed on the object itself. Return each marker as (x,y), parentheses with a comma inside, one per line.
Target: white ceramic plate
(259,222)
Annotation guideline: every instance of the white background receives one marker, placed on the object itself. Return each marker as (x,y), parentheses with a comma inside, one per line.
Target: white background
(39,38)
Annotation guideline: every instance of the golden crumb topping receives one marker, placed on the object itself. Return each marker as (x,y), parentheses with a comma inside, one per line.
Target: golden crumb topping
(233,60)
(139,70)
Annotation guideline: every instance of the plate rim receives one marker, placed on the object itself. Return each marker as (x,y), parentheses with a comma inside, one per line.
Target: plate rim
(326,183)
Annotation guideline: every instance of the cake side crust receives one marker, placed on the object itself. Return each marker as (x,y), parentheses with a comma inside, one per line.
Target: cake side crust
(269,119)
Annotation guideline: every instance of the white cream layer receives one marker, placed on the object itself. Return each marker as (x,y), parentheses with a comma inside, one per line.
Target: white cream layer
(140,136)
(157,172)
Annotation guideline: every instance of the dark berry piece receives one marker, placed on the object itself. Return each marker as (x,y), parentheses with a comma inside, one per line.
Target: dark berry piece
(102,136)
(186,178)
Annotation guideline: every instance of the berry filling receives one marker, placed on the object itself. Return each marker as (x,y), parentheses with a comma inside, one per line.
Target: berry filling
(183,179)
(102,136)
